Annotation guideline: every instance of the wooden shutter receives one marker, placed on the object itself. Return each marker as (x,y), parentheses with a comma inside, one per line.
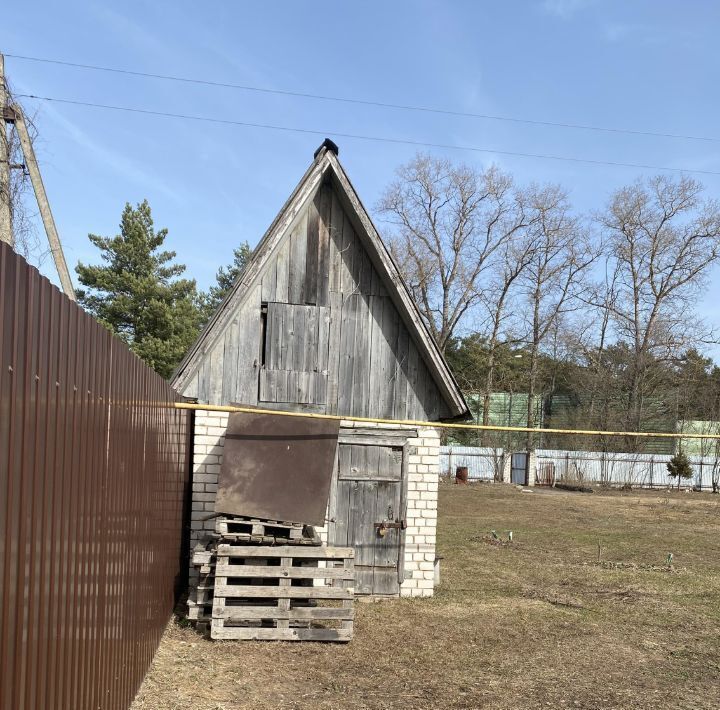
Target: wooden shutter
(295,368)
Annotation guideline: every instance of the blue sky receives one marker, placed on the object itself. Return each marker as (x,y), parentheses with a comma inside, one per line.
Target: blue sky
(644,65)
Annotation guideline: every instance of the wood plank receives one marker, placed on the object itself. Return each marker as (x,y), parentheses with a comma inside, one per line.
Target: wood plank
(320,387)
(377,287)
(334,353)
(366,269)
(299,338)
(273,336)
(348,282)
(388,508)
(230,369)
(297,265)
(347,351)
(248,362)
(362,532)
(323,338)
(316,553)
(379,439)
(251,613)
(239,633)
(343,503)
(414,409)
(324,211)
(269,281)
(311,264)
(280,572)
(376,357)
(389,463)
(251,591)
(361,374)
(390,332)
(288,339)
(248,613)
(284,604)
(216,374)
(399,408)
(310,347)
(282,271)
(337,218)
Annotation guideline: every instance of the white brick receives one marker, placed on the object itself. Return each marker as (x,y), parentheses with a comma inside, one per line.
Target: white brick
(205,478)
(200,430)
(204,496)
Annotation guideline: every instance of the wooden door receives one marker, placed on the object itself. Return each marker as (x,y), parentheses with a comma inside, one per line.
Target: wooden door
(369,491)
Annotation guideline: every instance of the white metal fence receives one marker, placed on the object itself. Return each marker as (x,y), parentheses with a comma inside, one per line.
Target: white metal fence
(639,470)
(481,462)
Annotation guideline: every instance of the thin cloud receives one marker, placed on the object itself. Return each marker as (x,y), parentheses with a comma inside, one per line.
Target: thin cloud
(109,158)
(565,9)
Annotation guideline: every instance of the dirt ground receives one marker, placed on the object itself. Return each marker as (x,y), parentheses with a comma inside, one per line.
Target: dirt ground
(536,623)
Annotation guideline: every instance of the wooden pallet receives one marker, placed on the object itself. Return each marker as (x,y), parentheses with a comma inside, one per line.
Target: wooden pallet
(234,526)
(268,593)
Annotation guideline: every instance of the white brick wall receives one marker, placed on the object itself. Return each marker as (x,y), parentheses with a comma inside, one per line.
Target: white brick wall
(423,475)
(207,454)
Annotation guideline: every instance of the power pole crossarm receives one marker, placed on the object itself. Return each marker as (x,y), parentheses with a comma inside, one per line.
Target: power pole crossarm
(6,233)
(43,204)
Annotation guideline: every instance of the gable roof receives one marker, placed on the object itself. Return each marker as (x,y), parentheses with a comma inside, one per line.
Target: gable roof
(327,167)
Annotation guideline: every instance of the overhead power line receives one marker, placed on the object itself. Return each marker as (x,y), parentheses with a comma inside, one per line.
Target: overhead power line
(378,139)
(367,102)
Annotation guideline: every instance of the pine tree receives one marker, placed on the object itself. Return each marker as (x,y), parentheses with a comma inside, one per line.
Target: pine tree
(679,465)
(225,278)
(138,295)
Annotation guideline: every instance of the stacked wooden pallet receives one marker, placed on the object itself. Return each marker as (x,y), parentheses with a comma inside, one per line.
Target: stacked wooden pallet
(260,579)
(264,592)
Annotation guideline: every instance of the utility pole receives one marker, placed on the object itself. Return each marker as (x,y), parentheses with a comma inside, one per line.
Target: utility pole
(42,200)
(6,234)
(14,115)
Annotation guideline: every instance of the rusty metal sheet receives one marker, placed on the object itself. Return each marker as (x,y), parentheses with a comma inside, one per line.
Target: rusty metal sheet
(277,468)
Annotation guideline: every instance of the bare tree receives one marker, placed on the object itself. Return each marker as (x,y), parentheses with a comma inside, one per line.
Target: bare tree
(561,256)
(449,221)
(513,258)
(662,238)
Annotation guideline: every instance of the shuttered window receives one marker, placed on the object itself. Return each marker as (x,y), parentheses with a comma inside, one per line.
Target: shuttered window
(295,354)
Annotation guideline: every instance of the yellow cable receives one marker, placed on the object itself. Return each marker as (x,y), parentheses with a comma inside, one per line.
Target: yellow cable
(440,425)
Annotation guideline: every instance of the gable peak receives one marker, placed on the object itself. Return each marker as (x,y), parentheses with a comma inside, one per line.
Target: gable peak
(327,144)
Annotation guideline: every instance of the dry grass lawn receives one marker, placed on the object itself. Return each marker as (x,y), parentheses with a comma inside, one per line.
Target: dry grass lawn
(538,623)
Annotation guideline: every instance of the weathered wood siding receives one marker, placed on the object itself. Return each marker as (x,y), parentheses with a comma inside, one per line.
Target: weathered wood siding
(331,339)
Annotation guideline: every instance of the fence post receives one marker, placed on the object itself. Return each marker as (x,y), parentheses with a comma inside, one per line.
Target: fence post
(652,469)
(450,463)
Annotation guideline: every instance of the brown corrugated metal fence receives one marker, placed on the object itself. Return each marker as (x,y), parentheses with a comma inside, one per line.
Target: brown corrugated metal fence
(94,480)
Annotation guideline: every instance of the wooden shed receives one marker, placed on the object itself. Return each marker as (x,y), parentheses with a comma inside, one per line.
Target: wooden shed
(321,321)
